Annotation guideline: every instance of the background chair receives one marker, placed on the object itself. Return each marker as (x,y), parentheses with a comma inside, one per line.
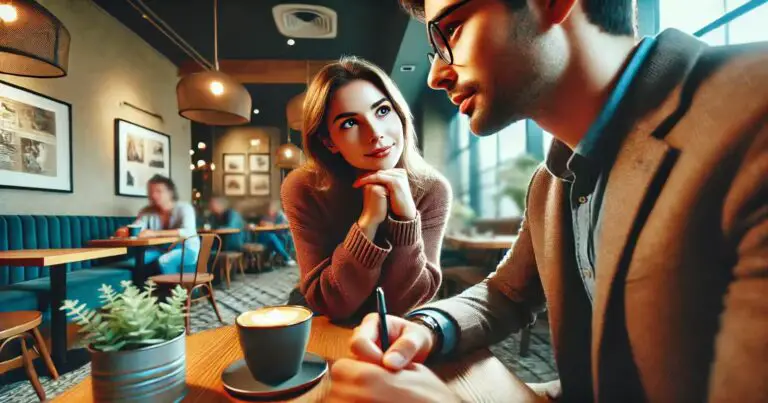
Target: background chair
(22,326)
(201,279)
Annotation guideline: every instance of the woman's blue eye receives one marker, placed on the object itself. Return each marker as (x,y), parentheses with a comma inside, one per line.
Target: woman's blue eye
(348,123)
(383,110)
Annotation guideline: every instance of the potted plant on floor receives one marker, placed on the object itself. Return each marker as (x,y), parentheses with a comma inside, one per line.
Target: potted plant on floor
(136,343)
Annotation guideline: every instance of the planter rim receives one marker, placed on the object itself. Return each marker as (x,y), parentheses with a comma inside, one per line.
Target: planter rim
(153,346)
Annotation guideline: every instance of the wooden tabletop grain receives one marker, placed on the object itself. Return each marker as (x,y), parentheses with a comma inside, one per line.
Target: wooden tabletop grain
(481,242)
(219,231)
(478,377)
(130,242)
(52,257)
(268,228)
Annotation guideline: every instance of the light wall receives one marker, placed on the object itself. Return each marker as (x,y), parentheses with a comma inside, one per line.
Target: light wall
(237,140)
(108,64)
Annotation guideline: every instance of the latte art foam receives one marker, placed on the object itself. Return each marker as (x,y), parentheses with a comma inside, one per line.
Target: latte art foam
(274,316)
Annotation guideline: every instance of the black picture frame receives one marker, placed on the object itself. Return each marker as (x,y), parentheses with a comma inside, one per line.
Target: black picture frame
(138,187)
(13,181)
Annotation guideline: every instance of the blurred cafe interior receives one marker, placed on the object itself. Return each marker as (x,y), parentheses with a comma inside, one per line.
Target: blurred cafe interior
(197,105)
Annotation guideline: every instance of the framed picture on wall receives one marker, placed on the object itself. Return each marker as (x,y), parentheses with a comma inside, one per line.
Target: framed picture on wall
(140,154)
(259,185)
(234,185)
(234,163)
(258,162)
(35,141)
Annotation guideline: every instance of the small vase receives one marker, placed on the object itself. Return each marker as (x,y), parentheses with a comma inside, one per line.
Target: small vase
(154,373)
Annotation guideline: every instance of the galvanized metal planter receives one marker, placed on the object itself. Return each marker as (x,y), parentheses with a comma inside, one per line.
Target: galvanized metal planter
(152,374)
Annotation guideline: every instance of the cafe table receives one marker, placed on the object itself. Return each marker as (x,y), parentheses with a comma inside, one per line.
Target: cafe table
(139,246)
(268,228)
(56,260)
(481,242)
(219,231)
(477,377)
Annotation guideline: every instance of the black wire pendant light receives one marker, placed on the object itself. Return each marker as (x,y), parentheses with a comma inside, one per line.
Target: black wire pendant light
(33,42)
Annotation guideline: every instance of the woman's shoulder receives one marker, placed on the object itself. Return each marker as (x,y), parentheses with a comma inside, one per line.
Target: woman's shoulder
(433,185)
(184,206)
(300,181)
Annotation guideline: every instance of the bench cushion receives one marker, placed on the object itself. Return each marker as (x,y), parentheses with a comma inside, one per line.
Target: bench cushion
(82,285)
(17,300)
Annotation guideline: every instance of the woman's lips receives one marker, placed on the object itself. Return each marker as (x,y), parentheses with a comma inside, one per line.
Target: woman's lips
(381,152)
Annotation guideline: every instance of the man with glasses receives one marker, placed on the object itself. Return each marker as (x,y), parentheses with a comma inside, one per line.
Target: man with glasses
(646,229)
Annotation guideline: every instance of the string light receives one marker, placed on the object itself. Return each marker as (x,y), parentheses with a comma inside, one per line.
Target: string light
(201,145)
(200,163)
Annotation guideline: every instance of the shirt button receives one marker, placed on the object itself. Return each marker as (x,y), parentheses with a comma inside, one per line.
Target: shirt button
(587,273)
(582,199)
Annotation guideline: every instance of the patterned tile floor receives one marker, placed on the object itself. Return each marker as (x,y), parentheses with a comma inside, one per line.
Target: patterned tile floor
(272,287)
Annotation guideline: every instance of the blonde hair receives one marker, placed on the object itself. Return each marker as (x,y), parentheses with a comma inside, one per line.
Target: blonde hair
(329,167)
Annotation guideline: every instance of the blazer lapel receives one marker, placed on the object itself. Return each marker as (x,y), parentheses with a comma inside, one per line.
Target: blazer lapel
(639,170)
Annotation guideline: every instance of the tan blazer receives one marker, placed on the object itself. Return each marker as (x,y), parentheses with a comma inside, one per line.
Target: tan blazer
(681,295)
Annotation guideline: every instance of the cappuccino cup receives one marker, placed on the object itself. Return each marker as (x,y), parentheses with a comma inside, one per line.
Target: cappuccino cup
(274,340)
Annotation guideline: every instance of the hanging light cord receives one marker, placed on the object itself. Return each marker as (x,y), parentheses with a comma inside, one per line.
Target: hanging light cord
(166,30)
(216,34)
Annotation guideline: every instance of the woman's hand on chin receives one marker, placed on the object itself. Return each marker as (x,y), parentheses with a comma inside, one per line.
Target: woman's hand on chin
(395,180)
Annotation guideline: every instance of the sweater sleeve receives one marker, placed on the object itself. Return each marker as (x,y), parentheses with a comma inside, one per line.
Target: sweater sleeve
(336,279)
(412,275)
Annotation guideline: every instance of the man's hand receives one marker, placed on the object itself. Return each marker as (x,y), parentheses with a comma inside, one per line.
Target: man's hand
(411,342)
(358,381)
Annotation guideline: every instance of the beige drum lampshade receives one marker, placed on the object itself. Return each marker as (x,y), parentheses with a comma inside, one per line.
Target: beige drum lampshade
(213,98)
(294,111)
(33,42)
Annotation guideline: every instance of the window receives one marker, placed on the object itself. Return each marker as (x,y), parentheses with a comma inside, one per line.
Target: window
(474,163)
(692,15)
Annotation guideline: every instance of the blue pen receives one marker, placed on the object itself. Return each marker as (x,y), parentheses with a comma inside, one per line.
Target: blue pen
(381,307)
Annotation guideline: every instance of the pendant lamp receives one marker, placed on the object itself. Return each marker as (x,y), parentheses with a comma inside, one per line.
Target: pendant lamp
(288,155)
(294,110)
(212,97)
(33,42)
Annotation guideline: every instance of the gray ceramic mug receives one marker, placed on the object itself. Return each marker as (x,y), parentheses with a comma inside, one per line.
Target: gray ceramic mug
(274,339)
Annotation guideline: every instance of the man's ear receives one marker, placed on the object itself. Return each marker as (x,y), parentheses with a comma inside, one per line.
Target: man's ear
(328,143)
(554,12)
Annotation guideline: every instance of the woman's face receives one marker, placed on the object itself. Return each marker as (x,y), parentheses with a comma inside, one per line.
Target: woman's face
(364,127)
(159,194)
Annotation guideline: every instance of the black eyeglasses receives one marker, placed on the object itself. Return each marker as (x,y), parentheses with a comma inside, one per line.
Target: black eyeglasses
(437,38)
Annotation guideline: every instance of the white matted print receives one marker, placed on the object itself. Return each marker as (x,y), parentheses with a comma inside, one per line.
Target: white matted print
(234,163)
(259,185)
(234,185)
(258,162)
(35,140)
(140,154)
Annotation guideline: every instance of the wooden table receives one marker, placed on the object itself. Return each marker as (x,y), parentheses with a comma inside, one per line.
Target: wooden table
(57,260)
(139,245)
(478,377)
(268,228)
(219,231)
(494,242)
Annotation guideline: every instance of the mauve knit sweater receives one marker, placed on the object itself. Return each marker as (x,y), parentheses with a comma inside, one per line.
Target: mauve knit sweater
(340,268)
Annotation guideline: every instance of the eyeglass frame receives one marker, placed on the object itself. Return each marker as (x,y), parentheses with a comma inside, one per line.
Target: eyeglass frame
(436,24)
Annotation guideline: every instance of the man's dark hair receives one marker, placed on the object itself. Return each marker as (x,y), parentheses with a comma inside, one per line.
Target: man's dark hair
(160,179)
(616,17)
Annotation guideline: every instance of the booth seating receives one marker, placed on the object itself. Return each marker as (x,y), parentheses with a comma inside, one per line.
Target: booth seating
(28,288)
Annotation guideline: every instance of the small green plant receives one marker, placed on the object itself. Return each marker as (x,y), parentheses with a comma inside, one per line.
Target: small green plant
(131,319)
(515,176)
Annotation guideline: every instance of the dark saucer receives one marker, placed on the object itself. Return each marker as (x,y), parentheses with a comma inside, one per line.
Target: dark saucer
(238,380)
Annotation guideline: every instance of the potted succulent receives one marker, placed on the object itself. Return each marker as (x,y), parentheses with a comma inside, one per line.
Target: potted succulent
(136,344)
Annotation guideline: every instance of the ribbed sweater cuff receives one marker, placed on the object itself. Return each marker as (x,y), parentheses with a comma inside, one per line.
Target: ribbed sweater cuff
(365,251)
(404,232)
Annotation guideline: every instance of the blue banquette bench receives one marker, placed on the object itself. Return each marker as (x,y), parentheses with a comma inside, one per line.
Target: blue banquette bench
(28,288)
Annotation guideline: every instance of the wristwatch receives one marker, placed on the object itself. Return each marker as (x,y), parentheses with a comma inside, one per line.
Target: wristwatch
(434,327)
